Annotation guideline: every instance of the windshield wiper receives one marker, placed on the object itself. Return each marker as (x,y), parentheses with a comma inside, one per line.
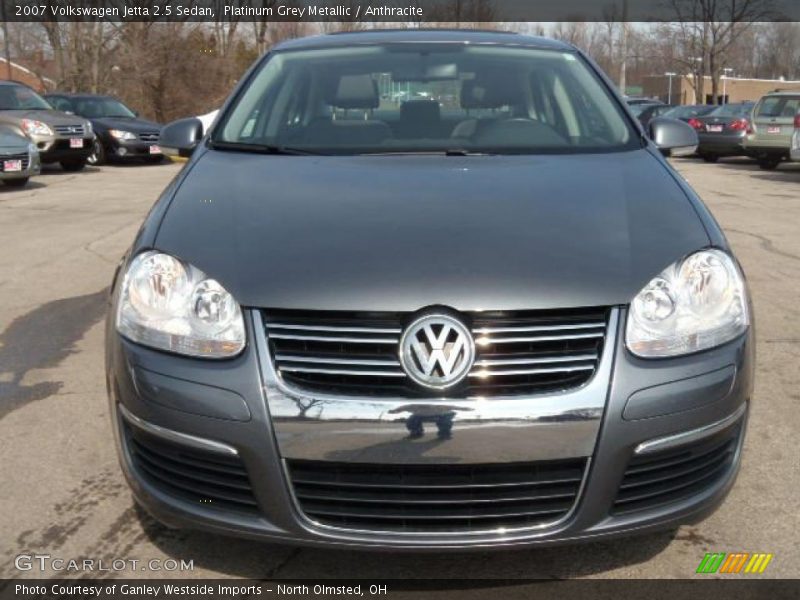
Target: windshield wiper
(262,148)
(448,152)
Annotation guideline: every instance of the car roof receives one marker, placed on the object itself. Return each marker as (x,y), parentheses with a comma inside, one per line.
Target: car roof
(383,36)
(783,93)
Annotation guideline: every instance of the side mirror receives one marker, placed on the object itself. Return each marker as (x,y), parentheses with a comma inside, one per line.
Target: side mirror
(181,136)
(673,137)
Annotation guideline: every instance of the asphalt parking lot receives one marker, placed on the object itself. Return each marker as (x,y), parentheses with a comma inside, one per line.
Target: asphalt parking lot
(62,493)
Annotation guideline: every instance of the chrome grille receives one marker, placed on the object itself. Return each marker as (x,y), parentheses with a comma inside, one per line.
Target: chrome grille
(69,130)
(23,157)
(357,353)
(149,136)
(449,498)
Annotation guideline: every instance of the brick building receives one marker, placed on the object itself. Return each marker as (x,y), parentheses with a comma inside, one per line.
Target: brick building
(736,89)
(25,75)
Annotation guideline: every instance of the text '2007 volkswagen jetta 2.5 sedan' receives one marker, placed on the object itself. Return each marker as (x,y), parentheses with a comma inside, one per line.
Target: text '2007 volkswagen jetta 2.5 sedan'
(429,290)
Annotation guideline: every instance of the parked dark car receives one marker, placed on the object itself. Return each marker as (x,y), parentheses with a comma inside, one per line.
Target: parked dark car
(58,136)
(351,322)
(121,134)
(646,112)
(689,113)
(723,131)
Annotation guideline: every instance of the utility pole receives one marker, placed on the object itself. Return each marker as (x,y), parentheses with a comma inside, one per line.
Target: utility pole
(623,68)
(669,75)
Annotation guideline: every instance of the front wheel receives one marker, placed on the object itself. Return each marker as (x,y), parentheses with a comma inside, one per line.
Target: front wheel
(17,183)
(769,164)
(73,165)
(98,155)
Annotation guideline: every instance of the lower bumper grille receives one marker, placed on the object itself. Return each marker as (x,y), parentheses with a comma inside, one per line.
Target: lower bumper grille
(436,498)
(662,478)
(204,478)
(23,157)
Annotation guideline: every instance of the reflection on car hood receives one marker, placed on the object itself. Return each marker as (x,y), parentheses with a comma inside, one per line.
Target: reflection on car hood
(50,117)
(404,232)
(11,141)
(126,124)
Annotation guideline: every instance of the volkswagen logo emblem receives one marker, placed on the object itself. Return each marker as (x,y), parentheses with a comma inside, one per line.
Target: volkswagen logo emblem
(437,351)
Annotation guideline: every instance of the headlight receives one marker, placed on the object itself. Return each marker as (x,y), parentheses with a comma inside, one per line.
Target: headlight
(167,304)
(33,127)
(122,135)
(695,304)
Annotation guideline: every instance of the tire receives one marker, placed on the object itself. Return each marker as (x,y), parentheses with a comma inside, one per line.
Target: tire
(73,165)
(710,158)
(16,183)
(769,164)
(98,155)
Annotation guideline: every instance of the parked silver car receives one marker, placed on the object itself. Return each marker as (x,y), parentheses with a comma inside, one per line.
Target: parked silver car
(19,158)
(58,136)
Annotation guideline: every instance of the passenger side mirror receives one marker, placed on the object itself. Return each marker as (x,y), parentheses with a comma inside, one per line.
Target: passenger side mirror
(181,136)
(673,137)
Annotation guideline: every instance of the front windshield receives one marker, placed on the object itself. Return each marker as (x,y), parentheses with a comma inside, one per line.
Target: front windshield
(98,108)
(17,97)
(427,98)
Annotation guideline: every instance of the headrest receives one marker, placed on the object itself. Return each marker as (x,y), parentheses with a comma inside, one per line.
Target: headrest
(355,91)
(491,92)
(421,111)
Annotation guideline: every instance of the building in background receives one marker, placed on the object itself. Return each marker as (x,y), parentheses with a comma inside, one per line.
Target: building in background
(735,89)
(25,75)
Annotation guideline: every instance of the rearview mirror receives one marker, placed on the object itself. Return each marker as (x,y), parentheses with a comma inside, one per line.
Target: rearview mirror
(181,136)
(673,137)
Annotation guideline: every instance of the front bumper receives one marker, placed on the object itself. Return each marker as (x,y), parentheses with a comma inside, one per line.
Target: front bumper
(33,167)
(55,148)
(121,150)
(227,405)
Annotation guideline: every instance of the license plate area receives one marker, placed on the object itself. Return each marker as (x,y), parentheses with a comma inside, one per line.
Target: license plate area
(773,129)
(714,128)
(76,142)
(10,166)
(155,150)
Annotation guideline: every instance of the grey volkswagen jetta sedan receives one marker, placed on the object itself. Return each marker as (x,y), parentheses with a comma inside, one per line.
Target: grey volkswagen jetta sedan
(427,290)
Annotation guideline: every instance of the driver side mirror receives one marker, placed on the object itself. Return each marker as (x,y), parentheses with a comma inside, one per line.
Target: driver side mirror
(673,137)
(181,136)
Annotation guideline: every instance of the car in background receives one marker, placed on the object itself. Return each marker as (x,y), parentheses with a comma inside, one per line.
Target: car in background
(19,158)
(646,112)
(774,121)
(121,134)
(794,153)
(689,113)
(636,100)
(58,136)
(724,130)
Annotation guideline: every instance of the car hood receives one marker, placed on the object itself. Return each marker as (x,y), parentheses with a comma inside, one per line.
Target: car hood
(10,140)
(398,233)
(126,124)
(50,117)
